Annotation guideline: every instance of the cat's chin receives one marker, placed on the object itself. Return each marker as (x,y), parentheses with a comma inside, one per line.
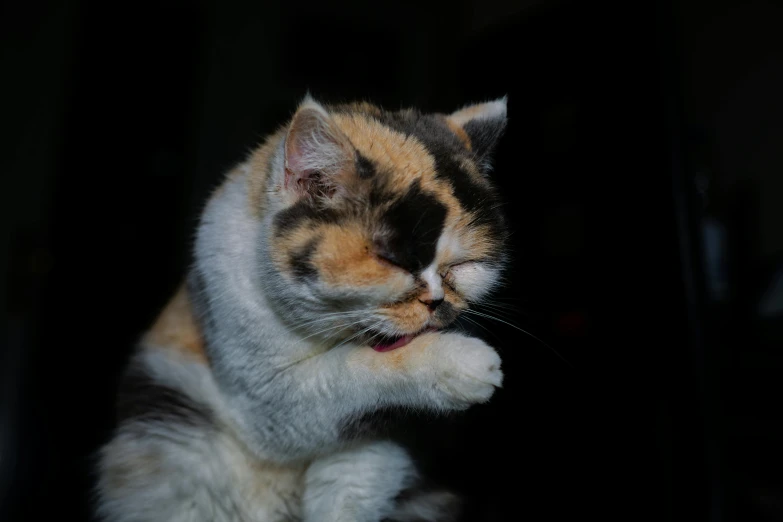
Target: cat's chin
(388,343)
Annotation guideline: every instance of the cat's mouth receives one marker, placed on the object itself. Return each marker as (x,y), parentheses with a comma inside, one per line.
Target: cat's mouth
(387,343)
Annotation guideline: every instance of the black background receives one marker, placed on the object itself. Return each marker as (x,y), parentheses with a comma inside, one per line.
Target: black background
(119,118)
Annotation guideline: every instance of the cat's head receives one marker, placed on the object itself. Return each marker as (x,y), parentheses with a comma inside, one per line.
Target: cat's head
(382,225)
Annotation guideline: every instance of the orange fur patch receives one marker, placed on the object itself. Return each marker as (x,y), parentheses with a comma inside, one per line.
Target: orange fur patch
(454,298)
(405,156)
(396,359)
(362,107)
(459,131)
(462,116)
(283,246)
(176,328)
(471,239)
(408,316)
(345,259)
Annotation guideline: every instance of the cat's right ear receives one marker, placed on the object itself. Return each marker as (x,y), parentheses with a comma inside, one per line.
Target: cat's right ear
(316,153)
(484,124)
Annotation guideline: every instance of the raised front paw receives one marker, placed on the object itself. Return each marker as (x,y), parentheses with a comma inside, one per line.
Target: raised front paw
(468,370)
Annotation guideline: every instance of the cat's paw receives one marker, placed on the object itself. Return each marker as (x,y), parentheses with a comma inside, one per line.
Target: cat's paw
(469,371)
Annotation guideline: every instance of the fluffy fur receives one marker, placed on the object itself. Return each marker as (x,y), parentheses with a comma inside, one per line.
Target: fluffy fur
(349,229)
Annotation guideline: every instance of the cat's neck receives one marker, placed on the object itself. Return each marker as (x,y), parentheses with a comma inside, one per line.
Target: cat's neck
(246,339)
(234,310)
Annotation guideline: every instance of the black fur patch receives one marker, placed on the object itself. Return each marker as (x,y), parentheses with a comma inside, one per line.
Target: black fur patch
(364,167)
(412,226)
(301,260)
(480,201)
(471,196)
(303,210)
(141,397)
(374,424)
(446,313)
(484,135)
(446,149)
(426,494)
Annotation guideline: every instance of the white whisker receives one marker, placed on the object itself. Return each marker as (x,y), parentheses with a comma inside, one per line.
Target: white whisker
(469,311)
(471,321)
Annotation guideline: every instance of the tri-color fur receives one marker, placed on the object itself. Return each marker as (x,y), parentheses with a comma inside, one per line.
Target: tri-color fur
(350,228)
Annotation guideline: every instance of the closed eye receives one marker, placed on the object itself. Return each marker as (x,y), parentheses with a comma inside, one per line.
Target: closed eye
(448,268)
(390,261)
(383,253)
(448,276)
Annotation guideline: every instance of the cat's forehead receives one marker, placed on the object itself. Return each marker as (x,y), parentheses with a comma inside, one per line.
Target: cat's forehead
(404,147)
(386,153)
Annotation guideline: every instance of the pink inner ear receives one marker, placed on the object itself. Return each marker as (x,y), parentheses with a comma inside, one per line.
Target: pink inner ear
(314,153)
(294,166)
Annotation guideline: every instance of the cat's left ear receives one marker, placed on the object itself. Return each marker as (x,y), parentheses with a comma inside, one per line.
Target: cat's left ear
(317,153)
(484,124)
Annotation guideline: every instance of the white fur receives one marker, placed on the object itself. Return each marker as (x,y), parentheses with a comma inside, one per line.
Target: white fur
(475,280)
(434,281)
(491,110)
(469,370)
(346,484)
(449,242)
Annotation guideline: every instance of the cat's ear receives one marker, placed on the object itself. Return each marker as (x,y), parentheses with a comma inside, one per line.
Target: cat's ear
(484,124)
(316,152)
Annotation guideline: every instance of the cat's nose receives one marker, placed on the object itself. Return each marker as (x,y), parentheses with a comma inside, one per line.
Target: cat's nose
(431,304)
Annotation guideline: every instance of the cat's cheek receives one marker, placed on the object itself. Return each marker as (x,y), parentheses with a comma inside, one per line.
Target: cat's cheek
(407,317)
(372,293)
(475,281)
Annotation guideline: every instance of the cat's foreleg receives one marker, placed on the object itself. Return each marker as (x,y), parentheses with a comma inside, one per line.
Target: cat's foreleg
(371,482)
(436,371)
(359,484)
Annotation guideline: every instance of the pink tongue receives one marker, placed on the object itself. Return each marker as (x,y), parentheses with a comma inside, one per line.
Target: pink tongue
(402,341)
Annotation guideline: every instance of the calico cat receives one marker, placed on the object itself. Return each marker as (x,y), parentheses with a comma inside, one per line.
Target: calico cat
(327,268)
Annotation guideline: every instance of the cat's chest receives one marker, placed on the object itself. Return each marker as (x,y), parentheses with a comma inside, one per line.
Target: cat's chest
(262,490)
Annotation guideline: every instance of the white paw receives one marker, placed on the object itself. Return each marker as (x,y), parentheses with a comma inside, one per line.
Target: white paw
(470,370)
